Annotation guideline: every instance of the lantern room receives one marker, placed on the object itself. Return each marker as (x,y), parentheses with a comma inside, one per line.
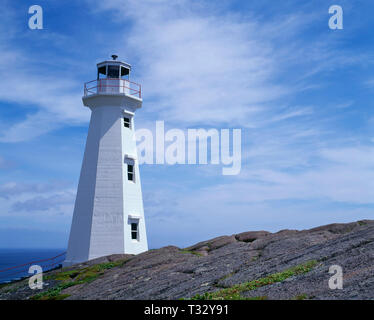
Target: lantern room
(113,69)
(113,77)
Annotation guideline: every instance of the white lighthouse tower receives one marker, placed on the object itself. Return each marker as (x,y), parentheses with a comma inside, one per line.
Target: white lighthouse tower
(108,215)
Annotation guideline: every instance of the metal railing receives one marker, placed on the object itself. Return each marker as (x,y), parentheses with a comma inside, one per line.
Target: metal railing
(112,86)
(21,271)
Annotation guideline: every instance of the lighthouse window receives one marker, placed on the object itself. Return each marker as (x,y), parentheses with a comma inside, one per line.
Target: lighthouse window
(134,231)
(101,70)
(130,172)
(124,71)
(127,122)
(113,72)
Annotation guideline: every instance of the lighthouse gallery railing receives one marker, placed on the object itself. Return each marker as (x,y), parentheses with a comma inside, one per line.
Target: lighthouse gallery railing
(113,86)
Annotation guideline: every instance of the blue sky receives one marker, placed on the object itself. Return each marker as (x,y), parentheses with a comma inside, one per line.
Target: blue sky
(300,92)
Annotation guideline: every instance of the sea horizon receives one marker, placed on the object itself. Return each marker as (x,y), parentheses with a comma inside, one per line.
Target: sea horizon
(23,258)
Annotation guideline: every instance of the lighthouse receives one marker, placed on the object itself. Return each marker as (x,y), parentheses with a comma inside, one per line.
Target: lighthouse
(108,214)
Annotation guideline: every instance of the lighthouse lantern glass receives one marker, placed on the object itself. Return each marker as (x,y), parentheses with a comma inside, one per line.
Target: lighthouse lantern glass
(113,72)
(101,70)
(125,72)
(113,77)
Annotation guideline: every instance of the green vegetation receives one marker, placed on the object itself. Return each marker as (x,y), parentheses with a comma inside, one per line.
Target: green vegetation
(13,286)
(54,293)
(191,252)
(301,297)
(6,287)
(74,277)
(234,292)
(2,285)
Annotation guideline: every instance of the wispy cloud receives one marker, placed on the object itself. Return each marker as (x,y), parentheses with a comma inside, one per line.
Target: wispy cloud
(337,186)
(34,84)
(44,200)
(200,66)
(203,66)
(11,189)
(44,203)
(57,101)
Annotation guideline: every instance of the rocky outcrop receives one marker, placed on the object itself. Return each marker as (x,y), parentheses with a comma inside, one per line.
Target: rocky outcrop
(251,236)
(218,264)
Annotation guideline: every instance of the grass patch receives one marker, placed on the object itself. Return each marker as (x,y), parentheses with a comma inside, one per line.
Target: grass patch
(54,293)
(7,287)
(74,277)
(191,252)
(64,276)
(234,292)
(3,285)
(13,286)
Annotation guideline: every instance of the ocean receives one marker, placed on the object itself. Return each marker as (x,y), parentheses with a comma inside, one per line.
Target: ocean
(15,263)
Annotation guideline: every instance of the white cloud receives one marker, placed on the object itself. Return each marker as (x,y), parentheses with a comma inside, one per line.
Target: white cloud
(198,66)
(217,68)
(45,203)
(344,175)
(57,100)
(34,84)
(42,199)
(338,185)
